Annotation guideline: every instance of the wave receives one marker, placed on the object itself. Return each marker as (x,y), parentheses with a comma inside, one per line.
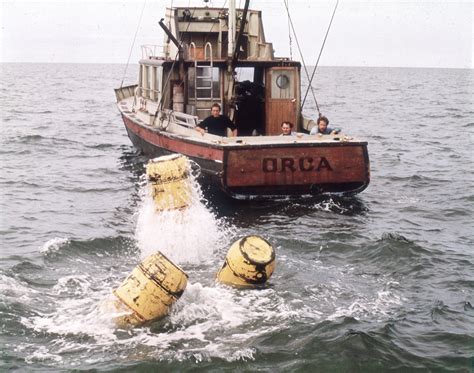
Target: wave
(30,139)
(59,247)
(36,139)
(100,146)
(393,252)
(53,245)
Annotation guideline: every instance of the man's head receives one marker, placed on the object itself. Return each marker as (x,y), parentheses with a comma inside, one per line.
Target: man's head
(215,109)
(286,128)
(323,123)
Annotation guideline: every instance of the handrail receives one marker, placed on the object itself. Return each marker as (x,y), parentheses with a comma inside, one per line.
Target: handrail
(193,46)
(205,51)
(141,90)
(150,51)
(182,119)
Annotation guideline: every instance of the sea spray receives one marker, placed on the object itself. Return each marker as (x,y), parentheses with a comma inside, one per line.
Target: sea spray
(54,245)
(189,235)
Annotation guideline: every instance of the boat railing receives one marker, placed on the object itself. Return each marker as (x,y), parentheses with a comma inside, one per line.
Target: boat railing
(149,93)
(166,117)
(152,51)
(184,119)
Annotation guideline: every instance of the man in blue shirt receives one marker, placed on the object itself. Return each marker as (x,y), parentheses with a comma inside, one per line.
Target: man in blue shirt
(322,127)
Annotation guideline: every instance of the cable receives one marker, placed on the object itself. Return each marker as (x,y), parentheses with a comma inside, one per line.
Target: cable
(299,49)
(317,62)
(133,43)
(289,37)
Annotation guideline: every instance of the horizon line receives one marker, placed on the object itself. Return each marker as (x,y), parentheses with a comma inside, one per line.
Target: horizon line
(136,63)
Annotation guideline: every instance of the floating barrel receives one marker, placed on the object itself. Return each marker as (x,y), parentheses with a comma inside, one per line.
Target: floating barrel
(149,291)
(169,178)
(250,262)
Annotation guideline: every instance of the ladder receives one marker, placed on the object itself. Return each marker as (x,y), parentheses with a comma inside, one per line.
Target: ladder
(203,77)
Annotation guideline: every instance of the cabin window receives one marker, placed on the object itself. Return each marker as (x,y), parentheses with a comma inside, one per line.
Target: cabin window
(143,80)
(245,73)
(205,84)
(150,82)
(283,84)
(158,75)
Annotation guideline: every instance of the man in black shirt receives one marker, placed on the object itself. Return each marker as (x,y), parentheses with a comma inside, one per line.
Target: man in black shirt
(217,124)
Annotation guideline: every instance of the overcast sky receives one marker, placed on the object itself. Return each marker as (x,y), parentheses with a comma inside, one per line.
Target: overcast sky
(415,33)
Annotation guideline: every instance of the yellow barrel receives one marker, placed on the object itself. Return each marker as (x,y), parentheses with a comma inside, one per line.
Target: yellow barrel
(169,178)
(250,262)
(149,291)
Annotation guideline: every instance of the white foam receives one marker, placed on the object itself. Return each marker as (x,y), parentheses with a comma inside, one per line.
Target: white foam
(53,245)
(184,236)
(42,355)
(378,305)
(75,284)
(13,289)
(330,206)
(207,322)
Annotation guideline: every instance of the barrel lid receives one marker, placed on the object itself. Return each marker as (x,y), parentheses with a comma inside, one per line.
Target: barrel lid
(257,250)
(166,158)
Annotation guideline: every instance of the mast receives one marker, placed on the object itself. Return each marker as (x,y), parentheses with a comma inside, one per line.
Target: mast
(238,43)
(231,34)
(234,47)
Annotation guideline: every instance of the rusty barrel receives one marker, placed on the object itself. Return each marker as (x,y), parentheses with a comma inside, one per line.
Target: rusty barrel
(170,181)
(250,262)
(149,291)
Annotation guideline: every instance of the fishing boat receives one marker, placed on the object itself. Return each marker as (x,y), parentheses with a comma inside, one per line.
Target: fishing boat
(205,53)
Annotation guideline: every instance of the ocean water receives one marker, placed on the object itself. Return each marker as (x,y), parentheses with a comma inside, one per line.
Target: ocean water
(381,281)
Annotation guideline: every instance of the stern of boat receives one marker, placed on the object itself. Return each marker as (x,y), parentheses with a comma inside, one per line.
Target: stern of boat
(339,168)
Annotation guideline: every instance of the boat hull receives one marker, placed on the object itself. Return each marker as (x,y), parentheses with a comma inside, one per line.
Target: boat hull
(265,171)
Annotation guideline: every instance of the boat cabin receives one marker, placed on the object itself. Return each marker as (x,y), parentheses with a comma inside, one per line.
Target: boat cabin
(201,62)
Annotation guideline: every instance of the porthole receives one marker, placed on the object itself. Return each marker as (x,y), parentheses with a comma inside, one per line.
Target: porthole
(282,81)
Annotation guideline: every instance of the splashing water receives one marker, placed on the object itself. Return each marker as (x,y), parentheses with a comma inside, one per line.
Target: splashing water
(53,245)
(190,235)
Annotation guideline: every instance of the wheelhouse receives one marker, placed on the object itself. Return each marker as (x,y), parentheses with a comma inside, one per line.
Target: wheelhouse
(199,64)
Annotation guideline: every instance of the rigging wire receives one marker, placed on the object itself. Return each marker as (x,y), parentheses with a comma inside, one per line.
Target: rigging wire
(301,53)
(317,62)
(289,36)
(133,44)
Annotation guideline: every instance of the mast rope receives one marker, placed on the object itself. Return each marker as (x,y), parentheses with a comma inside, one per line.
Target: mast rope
(301,53)
(133,44)
(317,62)
(289,37)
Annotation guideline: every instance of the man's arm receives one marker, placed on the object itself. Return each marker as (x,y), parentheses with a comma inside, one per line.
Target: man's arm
(201,127)
(231,125)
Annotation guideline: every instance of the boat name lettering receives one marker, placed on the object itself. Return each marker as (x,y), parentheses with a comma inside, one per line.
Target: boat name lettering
(293,165)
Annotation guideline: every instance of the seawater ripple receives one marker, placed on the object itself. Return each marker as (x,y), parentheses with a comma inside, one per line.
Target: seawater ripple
(380,281)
